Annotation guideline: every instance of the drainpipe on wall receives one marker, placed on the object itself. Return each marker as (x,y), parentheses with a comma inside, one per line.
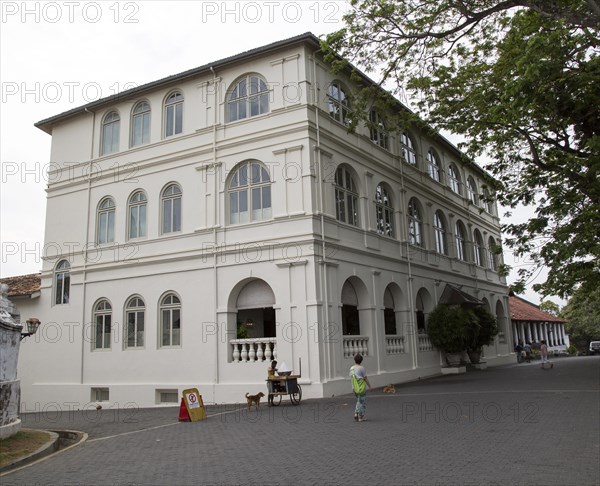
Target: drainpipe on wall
(87,240)
(322,221)
(215,219)
(409,279)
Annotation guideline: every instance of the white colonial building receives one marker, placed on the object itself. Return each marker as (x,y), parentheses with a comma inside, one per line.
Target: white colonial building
(204,223)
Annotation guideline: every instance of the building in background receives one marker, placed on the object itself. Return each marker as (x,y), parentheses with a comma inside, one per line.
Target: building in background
(531,325)
(207,222)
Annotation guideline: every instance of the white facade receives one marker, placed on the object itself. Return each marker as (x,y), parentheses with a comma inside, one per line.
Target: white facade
(153,235)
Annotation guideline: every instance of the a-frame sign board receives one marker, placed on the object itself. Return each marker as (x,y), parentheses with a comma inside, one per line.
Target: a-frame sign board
(194,404)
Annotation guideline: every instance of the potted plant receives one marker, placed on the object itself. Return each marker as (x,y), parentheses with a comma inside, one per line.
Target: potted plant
(480,333)
(242,330)
(448,330)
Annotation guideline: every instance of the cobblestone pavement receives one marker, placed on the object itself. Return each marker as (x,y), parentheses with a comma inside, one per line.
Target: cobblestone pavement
(511,425)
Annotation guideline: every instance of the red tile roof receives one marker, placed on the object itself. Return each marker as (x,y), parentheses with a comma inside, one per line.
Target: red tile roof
(22,285)
(522,310)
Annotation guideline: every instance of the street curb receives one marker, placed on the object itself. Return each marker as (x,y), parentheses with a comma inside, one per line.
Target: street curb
(58,438)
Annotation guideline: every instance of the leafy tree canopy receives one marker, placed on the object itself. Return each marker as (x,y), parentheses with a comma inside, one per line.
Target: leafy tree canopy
(582,314)
(520,80)
(550,307)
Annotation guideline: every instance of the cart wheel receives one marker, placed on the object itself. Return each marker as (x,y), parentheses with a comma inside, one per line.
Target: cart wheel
(276,400)
(296,397)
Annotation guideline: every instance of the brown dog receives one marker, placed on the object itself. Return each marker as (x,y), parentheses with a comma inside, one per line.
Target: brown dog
(389,389)
(254,399)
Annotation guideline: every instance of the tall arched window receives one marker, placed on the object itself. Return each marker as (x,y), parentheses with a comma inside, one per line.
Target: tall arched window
(62,282)
(111,125)
(487,202)
(249,193)
(461,241)
(492,254)
(350,314)
(433,166)
(408,149)
(140,124)
(377,129)
(171,209)
(173,114)
(137,215)
(346,197)
(472,191)
(389,312)
(415,223)
(170,321)
(135,311)
(478,248)
(105,230)
(339,106)
(384,212)
(454,178)
(439,229)
(102,324)
(249,97)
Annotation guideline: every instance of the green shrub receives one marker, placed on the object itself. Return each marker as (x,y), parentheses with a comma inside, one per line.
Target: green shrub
(572,350)
(484,332)
(448,327)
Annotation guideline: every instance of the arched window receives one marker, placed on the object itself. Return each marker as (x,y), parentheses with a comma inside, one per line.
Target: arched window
(171,209)
(487,202)
(478,248)
(105,230)
(173,114)
(339,106)
(379,134)
(137,215)
(472,191)
(389,313)
(384,212)
(346,197)
(170,320)
(140,124)
(415,223)
(135,310)
(102,324)
(62,282)
(110,133)
(454,178)
(249,97)
(249,193)
(433,166)
(439,229)
(461,241)
(408,149)
(350,314)
(492,254)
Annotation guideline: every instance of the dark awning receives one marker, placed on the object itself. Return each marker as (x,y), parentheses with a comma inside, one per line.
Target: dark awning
(454,296)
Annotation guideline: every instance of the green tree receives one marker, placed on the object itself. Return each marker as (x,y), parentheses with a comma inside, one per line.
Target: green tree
(550,307)
(582,316)
(520,80)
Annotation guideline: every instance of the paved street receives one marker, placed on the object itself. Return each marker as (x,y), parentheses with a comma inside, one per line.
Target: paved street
(512,425)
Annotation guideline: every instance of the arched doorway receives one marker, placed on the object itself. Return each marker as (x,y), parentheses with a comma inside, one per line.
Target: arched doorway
(255,313)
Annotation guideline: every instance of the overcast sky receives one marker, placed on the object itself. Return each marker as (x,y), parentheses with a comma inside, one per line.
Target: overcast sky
(55,56)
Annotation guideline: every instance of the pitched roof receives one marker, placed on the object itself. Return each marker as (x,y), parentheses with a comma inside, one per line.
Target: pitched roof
(454,295)
(522,310)
(47,124)
(22,285)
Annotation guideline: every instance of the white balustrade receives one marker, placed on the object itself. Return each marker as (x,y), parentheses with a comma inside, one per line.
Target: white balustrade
(356,345)
(394,344)
(253,350)
(424,342)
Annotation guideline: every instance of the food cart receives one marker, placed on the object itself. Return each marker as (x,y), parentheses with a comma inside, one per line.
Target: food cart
(285,383)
